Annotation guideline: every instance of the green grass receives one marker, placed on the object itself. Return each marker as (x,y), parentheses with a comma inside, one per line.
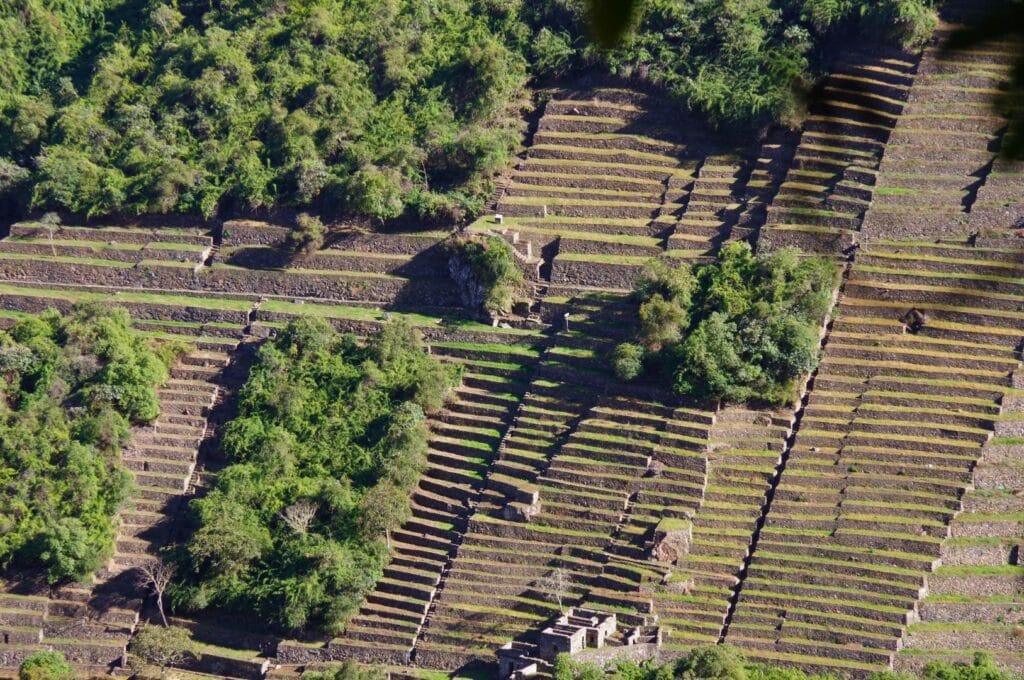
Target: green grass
(374,314)
(632,260)
(68,260)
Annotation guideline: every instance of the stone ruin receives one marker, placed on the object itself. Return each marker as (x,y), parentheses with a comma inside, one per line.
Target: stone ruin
(573,632)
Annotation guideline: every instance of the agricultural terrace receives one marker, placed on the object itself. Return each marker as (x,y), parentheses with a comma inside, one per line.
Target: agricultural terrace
(754,393)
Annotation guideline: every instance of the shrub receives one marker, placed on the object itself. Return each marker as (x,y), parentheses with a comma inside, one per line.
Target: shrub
(163,646)
(628,361)
(566,668)
(982,667)
(329,441)
(45,665)
(713,662)
(71,388)
(744,327)
(308,235)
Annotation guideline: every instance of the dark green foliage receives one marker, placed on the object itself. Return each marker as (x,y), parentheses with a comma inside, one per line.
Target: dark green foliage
(744,327)
(328,443)
(191,106)
(71,388)
(376,107)
(45,665)
(348,670)
(487,273)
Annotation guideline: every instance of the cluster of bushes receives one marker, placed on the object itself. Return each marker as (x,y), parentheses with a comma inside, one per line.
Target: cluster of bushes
(742,328)
(486,272)
(374,107)
(71,388)
(330,438)
(725,662)
(45,665)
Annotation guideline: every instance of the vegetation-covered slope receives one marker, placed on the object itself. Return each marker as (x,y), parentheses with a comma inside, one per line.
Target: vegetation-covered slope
(71,387)
(330,440)
(132,106)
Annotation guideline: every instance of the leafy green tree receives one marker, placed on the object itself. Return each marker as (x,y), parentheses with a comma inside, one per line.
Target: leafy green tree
(383,509)
(378,108)
(308,235)
(661,277)
(45,665)
(661,322)
(982,667)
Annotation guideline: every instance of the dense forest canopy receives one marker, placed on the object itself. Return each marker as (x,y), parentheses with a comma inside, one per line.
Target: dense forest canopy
(374,107)
(71,388)
(330,439)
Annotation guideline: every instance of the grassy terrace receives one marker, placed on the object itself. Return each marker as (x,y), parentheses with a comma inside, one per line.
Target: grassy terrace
(126,296)
(975,598)
(100,245)
(373,314)
(892,430)
(565,228)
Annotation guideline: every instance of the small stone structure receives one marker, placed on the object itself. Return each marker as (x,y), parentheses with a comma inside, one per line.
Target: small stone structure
(517,660)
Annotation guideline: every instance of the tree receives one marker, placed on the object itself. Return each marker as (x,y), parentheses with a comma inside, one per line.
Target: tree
(982,667)
(486,272)
(45,665)
(556,587)
(163,646)
(384,508)
(73,385)
(743,327)
(376,192)
(661,322)
(156,575)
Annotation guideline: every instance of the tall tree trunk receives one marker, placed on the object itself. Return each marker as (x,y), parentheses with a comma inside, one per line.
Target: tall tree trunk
(160,607)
